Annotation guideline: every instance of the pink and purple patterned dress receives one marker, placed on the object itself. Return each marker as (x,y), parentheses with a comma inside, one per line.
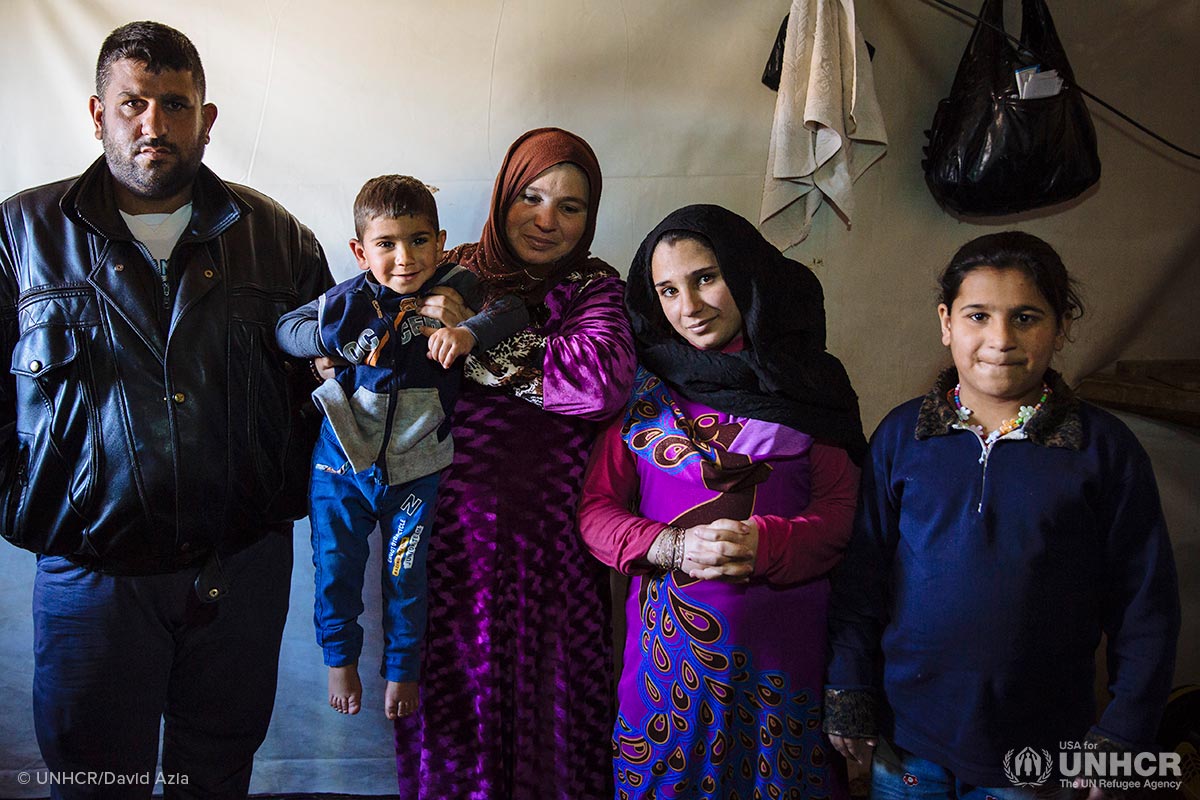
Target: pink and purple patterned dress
(720,691)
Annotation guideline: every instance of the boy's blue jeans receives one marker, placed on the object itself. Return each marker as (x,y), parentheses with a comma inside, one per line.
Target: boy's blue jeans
(344,509)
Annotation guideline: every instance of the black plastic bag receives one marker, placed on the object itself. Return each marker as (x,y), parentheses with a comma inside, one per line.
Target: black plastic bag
(990,152)
(774,67)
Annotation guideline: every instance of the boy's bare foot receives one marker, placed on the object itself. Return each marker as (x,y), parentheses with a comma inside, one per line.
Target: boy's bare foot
(345,689)
(400,699)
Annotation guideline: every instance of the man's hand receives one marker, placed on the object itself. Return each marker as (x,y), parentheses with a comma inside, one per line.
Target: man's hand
(447,345)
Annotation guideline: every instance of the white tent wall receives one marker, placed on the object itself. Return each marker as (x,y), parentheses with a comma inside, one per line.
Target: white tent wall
(316,97)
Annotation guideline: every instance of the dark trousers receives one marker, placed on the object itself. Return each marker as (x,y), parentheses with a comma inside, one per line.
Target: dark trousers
(115,656)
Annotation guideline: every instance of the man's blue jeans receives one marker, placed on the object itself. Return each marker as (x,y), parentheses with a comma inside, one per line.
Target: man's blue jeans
(116,657)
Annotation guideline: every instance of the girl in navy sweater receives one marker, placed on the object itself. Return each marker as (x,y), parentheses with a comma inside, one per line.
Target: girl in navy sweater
(1003,526)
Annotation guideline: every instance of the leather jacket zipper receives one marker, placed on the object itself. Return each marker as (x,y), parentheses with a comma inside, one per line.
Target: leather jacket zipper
(15,498)
(163,277)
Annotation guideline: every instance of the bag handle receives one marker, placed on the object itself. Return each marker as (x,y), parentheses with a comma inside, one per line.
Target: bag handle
(986,54)
(1039,35)
(987,64)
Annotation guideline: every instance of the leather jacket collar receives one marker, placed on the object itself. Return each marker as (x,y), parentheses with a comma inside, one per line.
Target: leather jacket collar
(91,202)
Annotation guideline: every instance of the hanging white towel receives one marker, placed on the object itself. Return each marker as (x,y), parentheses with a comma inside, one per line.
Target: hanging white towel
(828,127)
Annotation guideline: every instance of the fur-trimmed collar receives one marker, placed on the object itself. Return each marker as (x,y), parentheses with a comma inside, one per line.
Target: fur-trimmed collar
(1056,425)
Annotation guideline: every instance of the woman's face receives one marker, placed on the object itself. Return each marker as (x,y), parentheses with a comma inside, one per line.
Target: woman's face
(548,217)
(694,295)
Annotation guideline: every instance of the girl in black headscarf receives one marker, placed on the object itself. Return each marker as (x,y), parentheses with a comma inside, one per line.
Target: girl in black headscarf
(736,455)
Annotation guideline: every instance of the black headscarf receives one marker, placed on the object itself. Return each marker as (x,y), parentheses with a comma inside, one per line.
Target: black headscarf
(784,374)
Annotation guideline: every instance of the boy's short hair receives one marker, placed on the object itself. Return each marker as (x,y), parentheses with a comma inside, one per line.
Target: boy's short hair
(160,47)
(393,196)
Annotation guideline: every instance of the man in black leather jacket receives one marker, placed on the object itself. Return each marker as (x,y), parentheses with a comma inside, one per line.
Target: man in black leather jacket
(154,443)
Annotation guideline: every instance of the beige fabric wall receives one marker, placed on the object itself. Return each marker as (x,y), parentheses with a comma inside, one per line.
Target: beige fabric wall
(1133,240)
(315,97)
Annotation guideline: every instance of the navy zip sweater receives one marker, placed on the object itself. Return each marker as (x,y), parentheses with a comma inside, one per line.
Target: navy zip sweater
(977,585)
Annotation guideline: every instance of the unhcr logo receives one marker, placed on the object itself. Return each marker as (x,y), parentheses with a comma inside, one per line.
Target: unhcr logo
(1028,767)
(1122,771)
(1081,764)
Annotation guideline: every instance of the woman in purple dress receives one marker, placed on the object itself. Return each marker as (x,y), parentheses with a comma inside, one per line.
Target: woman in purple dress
(727,491)
(517,688)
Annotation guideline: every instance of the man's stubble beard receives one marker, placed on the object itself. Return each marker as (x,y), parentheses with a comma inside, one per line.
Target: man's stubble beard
(155,183)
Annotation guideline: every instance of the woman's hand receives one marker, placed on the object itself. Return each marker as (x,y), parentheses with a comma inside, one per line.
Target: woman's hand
(445,305)
(724,549)
(857,750)
(324,366)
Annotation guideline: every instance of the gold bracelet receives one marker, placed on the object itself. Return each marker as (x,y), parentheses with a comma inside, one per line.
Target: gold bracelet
(654,554)
(665,549)
(668,550)
(662,553)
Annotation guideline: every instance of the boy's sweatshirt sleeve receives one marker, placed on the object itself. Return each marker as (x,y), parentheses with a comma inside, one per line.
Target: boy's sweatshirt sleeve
(499,319)
(1141,605)
(299,332)
(859,602)
(494,320)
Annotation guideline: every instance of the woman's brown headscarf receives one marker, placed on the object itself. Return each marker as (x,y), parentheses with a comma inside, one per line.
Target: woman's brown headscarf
(530,155)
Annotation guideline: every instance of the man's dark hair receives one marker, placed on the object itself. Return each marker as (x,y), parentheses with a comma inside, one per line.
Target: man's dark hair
(159,47)
(392,196)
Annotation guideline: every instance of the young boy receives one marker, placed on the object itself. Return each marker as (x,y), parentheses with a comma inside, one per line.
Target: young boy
(386,433)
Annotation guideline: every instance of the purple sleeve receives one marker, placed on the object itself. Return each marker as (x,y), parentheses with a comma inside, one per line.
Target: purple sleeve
(589,361)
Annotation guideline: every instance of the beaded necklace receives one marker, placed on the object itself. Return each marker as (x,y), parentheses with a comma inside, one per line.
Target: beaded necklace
(1024,414)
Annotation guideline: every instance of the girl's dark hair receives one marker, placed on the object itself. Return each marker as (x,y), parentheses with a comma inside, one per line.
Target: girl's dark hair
(675,236)
(1015,250)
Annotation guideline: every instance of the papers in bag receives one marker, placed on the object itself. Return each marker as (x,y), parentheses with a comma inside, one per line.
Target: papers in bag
(1033,83)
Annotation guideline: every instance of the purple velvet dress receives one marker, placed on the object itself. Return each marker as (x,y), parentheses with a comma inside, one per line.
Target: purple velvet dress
(517,695)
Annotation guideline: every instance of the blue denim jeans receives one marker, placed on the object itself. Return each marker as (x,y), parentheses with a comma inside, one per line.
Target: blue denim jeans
(117,656)
(897,774)
(345,508)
